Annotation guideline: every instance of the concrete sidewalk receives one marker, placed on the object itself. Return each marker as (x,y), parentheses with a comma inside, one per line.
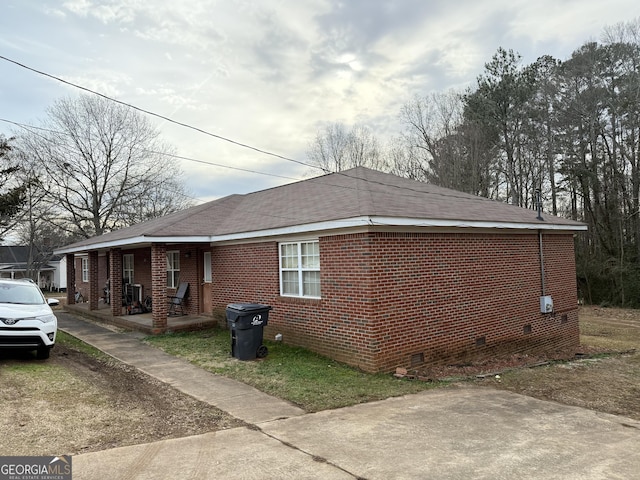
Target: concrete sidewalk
(448,433)
(236,398)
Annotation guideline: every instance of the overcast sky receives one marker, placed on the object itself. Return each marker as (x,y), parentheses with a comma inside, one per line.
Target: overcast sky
(270,73)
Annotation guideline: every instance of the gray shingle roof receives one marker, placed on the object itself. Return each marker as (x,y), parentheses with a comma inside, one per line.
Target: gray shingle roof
(13,253)
(359,192)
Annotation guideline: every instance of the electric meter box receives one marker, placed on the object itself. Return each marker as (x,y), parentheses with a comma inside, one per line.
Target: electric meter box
(546,304)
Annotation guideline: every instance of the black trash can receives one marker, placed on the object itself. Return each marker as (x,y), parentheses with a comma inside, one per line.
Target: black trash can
(246,322)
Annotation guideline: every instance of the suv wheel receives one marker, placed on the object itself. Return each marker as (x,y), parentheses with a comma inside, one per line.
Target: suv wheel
(43,353)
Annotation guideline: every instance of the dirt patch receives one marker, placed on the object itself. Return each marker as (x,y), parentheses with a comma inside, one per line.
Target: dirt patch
(74,403)
(603,374)
(608,385)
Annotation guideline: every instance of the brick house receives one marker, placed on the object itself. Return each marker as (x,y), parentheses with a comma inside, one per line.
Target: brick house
(368,268)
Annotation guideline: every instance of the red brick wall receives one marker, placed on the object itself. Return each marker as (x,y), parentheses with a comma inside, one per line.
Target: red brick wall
(71,278)
(141,268)
(392,300)
(84,286)
(459,297)
(93,280)
(189,272)
(158,285)
(115,285)
(245,274)
(335,326)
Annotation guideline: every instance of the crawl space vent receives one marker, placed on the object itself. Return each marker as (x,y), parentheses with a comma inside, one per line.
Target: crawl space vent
(417,359)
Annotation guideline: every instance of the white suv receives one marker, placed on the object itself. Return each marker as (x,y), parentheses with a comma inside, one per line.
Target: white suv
(26,319)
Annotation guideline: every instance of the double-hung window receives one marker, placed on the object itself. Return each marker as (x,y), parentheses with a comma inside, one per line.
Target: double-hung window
(300,269)
(127,268)
(173,269)
(85,269)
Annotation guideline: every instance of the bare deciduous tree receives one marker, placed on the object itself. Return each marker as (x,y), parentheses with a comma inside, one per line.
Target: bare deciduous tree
(431,125)
(12,192)
(107,160)
(335,149)
(404,160)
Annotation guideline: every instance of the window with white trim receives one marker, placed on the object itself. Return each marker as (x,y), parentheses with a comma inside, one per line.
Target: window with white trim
(85,269)
(300,269)
(173,269)
(127,268)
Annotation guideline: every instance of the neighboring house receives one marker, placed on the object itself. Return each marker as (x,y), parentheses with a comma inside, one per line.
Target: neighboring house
(50,273)
(365,267)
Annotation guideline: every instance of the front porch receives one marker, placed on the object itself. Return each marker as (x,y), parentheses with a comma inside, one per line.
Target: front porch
(147,274)
(142,322)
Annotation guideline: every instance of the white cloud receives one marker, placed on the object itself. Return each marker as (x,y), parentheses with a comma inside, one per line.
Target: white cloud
(79,7)
(269,73)
(120,11)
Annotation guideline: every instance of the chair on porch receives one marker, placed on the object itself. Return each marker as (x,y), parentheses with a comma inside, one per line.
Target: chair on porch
(177,301)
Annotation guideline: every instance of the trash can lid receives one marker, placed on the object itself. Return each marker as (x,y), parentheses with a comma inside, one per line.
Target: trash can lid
(248,307)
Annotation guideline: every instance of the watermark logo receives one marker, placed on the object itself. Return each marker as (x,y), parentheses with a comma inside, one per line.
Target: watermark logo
(35,468)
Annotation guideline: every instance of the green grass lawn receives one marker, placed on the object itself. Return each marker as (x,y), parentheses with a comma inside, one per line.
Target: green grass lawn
(306,379)
(63,338)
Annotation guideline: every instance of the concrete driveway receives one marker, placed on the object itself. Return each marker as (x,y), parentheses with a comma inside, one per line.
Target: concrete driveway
(450,433)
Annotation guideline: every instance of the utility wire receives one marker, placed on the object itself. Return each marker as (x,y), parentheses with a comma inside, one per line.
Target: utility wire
(32,129)
(402,189)
(195,160)
(197,129)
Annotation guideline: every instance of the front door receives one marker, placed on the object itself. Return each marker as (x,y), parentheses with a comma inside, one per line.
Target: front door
(205,286)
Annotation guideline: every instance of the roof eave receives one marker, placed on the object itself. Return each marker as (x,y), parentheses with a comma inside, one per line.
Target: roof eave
(395,222)
(412,222)
(133,242)
(324,226)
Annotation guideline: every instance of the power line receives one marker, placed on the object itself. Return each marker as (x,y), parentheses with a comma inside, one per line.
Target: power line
(180,157)
(404,191)
(197,129)
(32,129)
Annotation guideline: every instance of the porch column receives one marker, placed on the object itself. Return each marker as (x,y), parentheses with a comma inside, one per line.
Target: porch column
(71,278)
(93,280)
(115,281)
(159,287)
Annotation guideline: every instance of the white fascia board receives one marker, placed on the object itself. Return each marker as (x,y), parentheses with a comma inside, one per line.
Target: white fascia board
(131,242)
(392,222)
(323,226)
(413,222)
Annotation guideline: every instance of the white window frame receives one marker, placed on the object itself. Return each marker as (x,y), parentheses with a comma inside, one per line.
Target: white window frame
(127,268)
(208,278)
(84,264)
(299,268)
(173,266)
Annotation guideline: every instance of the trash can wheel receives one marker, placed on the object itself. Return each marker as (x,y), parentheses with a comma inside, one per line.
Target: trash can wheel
(262,352)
